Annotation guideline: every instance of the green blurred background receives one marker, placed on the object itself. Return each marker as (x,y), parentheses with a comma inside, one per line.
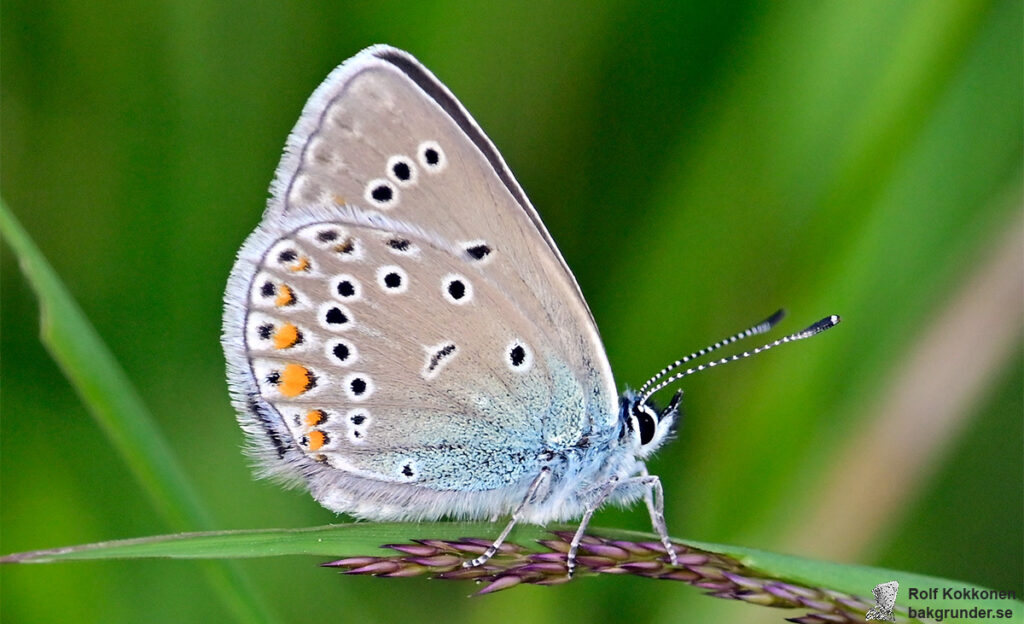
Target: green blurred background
(699,165)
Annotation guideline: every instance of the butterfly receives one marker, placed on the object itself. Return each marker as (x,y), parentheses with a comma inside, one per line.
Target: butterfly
(405,340)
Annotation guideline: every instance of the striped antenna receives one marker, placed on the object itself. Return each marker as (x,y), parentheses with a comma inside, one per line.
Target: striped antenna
(825,323)
(760,328)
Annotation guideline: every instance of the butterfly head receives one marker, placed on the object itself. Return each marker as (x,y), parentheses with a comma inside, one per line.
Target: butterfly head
(645,426)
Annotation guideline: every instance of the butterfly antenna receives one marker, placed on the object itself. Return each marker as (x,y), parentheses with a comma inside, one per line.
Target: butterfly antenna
(760,328)
(825,323)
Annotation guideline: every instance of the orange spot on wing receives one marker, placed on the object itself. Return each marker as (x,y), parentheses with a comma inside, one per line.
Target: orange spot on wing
(338,199)
(295,380)
(302,264)
(316,440)
(287,336)
(315,417)
(285,296)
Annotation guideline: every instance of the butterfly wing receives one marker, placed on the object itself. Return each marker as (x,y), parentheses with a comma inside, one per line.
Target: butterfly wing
(411,333)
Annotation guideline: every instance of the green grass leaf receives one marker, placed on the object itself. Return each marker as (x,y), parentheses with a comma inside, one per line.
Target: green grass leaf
(369,539)
(112,400)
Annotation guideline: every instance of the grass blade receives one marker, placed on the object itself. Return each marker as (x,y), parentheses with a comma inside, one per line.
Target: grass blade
(732,572)
(112,400)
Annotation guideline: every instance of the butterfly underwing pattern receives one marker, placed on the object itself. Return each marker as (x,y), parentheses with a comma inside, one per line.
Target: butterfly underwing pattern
(404,338)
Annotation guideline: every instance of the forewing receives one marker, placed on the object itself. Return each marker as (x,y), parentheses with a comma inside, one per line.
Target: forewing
(382,114)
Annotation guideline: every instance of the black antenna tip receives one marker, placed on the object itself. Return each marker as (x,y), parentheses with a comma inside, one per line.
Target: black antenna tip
(826,323)
(774,319)
(768,323)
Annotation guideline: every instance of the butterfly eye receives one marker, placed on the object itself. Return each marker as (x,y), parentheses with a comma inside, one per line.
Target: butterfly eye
(646,426)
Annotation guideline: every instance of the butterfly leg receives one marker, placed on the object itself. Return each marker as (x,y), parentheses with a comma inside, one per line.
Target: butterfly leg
(654,496)
(601,495)
(517,515)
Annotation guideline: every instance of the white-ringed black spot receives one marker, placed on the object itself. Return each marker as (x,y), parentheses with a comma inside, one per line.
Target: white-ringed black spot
(358,386)
(456,289)
(268,289)
(358,422)
(478,252)
(392,279)
(324,235)
(335,317)
(381,193)
(407,470)
(518,356)
(287,255)
(400,246)
(346,287)
(327,236)
(402,170)
(341,352)
(265,331)
(431,156)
